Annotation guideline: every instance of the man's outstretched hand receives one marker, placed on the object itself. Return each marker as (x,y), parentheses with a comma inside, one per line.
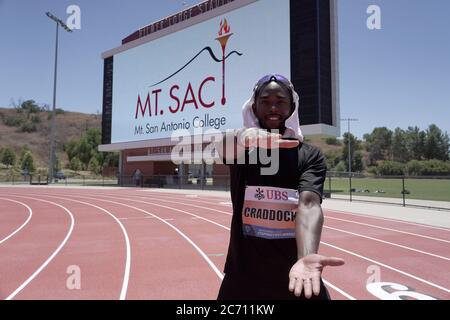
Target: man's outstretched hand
(254,137)
(306,272)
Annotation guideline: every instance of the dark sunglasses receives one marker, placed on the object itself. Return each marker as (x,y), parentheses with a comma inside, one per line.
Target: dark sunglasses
(273,77)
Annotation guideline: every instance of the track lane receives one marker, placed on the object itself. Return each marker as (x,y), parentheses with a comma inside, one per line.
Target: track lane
(14,267)
(356,265)
(11,218)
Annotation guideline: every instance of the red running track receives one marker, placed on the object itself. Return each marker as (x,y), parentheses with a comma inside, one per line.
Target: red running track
(61,243)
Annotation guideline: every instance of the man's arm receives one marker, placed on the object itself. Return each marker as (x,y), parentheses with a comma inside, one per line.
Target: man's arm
(228,147)
(306,273)
(309,224)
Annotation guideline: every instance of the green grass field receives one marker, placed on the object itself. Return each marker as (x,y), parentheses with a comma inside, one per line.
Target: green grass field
(424,189)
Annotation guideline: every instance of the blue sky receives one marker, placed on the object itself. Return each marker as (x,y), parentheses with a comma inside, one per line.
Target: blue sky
(395,77)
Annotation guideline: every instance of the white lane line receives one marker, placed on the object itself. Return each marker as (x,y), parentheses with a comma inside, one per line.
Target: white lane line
(362,215)
(34,275)
(194,215)
(135,218)
(389,229)
(394,230)
(387,266)
(171,208)
(127,241)
(389,243)
(363,257)
(30,214)
(204,256)
(217,224)
(212,201)
(188,204)
(126,277)
(343,212)
(345,294)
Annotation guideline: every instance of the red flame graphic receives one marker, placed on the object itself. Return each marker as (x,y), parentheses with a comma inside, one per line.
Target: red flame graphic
(224,27)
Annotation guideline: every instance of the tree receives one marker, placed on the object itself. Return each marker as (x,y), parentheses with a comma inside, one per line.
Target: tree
(415,143)
(30,106)
(84,152)
(340,167)
(94,166)
(94,137)
(357,162)
(57,164)
(28,162)
(379,144)
(112,159)
(354,147)
(436,144)
(23,151)
(332,158)
(71,148)
(400,151)
(8,157)
(75,164)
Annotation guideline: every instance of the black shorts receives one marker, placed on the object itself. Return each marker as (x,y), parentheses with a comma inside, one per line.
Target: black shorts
(237,288)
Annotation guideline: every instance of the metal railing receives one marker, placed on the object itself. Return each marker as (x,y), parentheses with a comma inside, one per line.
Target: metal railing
(420,191)
(215,182)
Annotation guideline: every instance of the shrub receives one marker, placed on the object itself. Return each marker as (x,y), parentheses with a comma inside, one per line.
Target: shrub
(372,170)
(94,165)
(12,121)
(340,167)
(428,168)
(28,162)
(27,127)
(332,141)
(8,157)
(414,168)
(75,164)
(35,119)
(390,168)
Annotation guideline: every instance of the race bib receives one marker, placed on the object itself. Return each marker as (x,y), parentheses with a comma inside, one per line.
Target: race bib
(269,212)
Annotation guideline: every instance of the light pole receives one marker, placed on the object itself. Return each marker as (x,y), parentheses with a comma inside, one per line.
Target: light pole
(52,130)
(349,144)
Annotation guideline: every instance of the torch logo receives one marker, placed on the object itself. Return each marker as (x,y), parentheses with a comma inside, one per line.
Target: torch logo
(223,38)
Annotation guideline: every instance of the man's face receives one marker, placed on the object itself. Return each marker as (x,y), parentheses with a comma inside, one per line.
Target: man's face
(273,106)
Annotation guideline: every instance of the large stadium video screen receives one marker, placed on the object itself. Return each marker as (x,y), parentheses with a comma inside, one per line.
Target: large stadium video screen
(199,77)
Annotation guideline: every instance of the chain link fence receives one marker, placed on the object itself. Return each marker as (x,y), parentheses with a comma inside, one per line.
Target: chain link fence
(423,191)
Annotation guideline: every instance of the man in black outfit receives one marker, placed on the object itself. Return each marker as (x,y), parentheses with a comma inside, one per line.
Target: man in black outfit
(277,218)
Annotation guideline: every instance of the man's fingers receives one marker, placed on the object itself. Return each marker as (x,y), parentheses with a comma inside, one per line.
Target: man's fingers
(275,142)
(332,261)
(291,284)
(316,285)
(298,287)
(307,287)
(287,144)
